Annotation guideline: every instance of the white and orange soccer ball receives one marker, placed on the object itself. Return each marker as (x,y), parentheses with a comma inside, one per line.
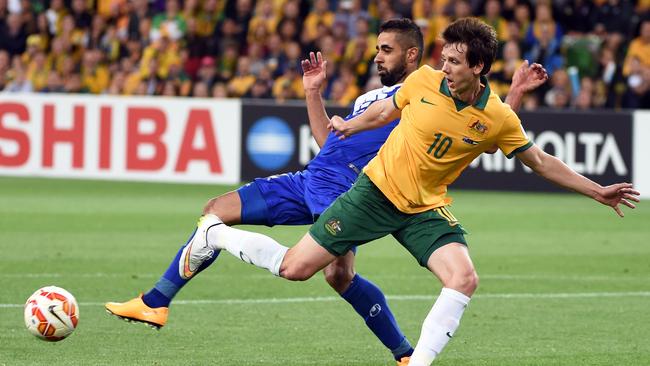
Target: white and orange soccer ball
(51,313)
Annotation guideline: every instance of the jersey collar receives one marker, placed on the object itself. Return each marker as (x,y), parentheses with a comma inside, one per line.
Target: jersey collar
(460,105)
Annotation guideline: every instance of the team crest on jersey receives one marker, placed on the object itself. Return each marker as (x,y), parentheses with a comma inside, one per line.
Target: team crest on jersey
(333,226)
(477,128)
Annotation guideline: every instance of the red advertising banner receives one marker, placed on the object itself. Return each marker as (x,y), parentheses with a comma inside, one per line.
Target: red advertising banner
(135,138)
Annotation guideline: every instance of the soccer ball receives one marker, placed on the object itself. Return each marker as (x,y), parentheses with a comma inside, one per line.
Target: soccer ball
(51,313)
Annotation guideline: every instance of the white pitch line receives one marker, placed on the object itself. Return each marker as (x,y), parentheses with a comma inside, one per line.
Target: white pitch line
(567,295)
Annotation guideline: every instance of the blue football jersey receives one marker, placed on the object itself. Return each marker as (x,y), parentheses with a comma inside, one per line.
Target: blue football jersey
(339,162)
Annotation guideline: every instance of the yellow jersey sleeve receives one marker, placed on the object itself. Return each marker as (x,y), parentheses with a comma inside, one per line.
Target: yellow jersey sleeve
(402,97)
(512,138)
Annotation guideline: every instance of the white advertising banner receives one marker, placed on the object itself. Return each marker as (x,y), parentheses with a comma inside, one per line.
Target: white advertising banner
(108,137)
(641,153)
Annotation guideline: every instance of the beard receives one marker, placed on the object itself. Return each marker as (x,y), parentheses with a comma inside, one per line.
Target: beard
(391,77)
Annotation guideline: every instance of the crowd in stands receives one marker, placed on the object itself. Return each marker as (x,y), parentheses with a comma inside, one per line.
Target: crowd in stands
(597,53)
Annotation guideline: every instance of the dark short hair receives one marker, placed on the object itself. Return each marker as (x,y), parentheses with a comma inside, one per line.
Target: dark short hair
(480,39)
(409,33)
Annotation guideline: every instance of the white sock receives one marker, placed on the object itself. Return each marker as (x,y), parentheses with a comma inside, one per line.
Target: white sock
(439,326)
(256,249)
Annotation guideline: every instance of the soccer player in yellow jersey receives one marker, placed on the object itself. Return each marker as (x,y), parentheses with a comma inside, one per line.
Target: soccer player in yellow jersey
(448,118)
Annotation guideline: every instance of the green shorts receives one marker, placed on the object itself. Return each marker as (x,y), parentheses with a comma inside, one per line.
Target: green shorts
(364,214)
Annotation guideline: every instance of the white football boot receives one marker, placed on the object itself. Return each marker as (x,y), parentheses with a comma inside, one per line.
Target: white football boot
(197,251)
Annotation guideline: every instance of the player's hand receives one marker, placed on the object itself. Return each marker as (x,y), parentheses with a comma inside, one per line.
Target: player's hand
(528,78)
(618,194)
(337,125)
(314,72)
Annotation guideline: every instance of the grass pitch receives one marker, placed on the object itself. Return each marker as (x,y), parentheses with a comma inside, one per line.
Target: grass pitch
(564,281)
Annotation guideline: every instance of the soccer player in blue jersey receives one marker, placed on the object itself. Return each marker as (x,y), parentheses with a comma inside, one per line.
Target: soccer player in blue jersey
(299,198)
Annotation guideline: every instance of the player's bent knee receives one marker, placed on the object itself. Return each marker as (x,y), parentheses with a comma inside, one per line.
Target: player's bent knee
(338,277)
(296,272)
(465,282)
(212,206)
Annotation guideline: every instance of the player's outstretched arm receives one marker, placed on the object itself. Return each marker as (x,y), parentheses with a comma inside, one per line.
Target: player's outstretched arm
(554,169)
(526,78)
(378,114)
(314,74)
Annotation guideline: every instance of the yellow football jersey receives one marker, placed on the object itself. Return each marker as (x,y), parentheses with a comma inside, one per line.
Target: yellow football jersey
(437,138)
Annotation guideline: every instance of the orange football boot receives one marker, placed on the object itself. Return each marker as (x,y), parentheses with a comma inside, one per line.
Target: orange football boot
(135,310)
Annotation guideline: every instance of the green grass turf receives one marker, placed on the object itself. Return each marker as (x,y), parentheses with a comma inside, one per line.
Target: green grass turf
(564,282)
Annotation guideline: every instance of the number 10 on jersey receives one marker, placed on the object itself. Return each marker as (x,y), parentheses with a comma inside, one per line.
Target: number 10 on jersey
(440,145)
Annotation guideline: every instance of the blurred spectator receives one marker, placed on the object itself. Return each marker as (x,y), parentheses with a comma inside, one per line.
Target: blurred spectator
(13,36)
(503,69)
(320,15)
(54,84)
(264,17)
(241,12)
(207,72)
(200,90)
(639,49)
(612,16)
(37,71)
(523,20)
(638,82)
(345,89)
(138,12)
(289,84)
(543,39)
(360,51)
(585,98)
(544,27)
(508,10)
(493,17)
(117,84)
(637,69)
(403,8)
(255,55)
(81,16)
(19,82)
(460,9)
(385,10)
(259,90)
(243,80)
(94,75)
(228,62)
(170,24)
(170,89)
(5,68)
(611,77)
(54,15)
(559,96)
(73,85)
(219,90)
(349,11)
(576,16)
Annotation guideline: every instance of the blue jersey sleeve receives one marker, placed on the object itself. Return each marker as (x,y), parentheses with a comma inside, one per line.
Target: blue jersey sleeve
(344,159)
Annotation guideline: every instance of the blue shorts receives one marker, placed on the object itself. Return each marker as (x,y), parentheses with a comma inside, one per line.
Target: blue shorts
(280,200)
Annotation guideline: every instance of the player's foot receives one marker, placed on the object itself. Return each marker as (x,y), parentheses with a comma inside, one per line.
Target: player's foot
(404,361)
(197,251)
(135,310)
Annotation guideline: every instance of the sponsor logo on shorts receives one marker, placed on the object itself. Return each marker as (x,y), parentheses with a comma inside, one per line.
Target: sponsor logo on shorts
(333,226)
